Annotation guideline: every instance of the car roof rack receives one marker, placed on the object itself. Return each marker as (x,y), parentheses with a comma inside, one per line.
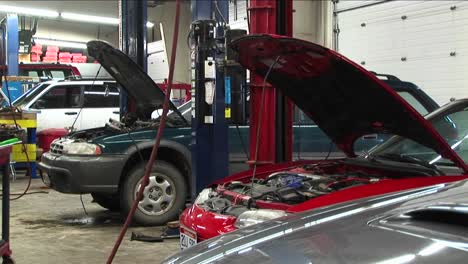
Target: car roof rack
(387,76)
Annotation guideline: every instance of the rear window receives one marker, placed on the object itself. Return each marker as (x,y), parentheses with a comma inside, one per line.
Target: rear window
(414,102)
(33,74)
(58,74)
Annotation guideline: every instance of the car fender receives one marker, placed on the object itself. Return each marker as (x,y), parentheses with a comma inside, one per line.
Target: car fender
(163,144)
(169,144)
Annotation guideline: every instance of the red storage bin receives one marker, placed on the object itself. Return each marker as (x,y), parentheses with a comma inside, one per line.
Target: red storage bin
(46,136)
(53,49)
(51,54)
(49,59)
(37,49)
(80,59)
(63,60)
(35,58)
(65,55)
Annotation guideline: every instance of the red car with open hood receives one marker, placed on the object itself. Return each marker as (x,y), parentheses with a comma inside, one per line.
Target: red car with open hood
(346,102)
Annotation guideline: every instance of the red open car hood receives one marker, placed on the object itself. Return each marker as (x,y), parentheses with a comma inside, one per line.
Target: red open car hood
(344,100)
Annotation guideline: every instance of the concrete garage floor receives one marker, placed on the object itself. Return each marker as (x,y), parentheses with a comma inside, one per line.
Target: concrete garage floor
(53,228)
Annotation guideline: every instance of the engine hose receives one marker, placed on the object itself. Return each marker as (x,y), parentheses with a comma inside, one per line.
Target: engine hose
(154,151)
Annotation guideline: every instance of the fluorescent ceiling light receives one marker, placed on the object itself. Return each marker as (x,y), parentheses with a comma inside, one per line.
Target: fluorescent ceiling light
(28,11)
(90,19)
(60,43)
(95,19)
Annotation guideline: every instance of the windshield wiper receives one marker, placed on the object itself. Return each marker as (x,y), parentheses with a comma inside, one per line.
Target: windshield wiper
(408,159)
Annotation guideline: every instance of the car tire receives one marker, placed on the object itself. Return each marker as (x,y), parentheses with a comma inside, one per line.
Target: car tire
(163,198)
(108,201)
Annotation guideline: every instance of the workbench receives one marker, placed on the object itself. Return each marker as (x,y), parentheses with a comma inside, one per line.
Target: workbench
(26,121)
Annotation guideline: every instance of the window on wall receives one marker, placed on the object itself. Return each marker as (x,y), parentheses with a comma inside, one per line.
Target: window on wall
(101,96)
(60,97)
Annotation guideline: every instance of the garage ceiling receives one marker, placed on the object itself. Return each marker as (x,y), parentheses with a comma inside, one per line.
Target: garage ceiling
(61,29)
(108,8)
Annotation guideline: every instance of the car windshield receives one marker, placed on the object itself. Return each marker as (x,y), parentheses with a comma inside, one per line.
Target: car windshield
(174,117)
(451,125)
(27,97)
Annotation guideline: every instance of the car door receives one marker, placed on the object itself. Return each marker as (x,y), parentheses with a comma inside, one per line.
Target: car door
(101,102)
(58,107)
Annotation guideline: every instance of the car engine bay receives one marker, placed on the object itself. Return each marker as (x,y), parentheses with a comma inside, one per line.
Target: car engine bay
(283,189)
(293,187)
(128,123)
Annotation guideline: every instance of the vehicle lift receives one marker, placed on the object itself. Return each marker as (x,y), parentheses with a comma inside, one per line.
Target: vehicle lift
(219,84)
(270,17)
(132,40)
(210,154)
(9,36)
(211,118)
(216,96)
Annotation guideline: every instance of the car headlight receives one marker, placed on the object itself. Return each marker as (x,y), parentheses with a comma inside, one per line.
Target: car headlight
(203,196)
(253,217)
(81,148)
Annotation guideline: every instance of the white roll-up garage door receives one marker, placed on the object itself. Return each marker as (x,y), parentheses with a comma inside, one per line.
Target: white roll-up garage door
(238,14)
(425,42)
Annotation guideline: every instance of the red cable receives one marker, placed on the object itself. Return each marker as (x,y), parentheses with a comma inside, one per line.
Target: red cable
(154,151)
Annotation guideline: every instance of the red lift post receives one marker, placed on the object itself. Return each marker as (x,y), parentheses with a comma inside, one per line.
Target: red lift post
(275,139)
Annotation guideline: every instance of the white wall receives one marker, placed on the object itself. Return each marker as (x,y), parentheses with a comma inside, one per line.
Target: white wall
(80,32)
(165,14)
(312,21)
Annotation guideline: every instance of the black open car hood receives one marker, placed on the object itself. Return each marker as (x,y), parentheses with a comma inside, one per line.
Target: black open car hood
(147,94)
(343,99)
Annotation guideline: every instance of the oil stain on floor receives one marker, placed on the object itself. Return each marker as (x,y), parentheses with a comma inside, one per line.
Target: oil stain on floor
(53,228)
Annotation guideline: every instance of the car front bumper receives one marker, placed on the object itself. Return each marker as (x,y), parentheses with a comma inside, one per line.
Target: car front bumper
(206,224)
(82,174)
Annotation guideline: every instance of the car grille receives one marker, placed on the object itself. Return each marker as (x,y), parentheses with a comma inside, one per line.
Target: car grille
(56,148)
